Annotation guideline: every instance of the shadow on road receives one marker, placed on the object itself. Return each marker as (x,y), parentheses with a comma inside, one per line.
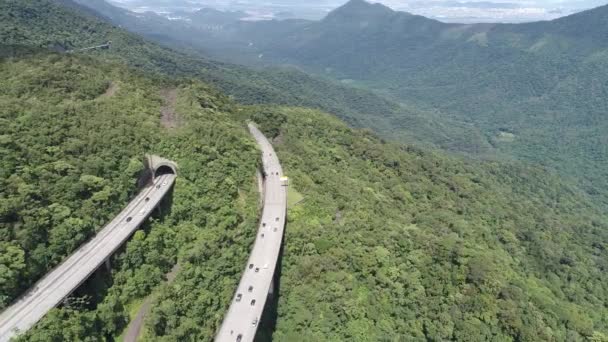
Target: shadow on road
(268,322)
(96,287)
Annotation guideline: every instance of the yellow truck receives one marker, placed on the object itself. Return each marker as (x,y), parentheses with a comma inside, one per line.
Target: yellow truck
(285,181)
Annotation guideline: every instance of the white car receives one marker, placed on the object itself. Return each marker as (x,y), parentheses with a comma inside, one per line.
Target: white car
(255,322)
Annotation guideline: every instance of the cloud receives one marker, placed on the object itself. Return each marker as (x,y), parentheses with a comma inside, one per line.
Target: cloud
(468,11)
(445,10)
(479,4)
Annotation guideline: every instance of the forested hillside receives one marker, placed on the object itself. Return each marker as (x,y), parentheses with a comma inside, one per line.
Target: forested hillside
(48,24)
(394,243)
(283,85)
(74,132)
(389,242)
(536,92)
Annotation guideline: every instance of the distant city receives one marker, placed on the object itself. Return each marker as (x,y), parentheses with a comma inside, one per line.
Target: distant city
(444,10)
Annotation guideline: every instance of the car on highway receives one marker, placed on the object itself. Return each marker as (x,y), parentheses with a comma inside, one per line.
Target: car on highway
(238,297)
(255,322)
(129,219)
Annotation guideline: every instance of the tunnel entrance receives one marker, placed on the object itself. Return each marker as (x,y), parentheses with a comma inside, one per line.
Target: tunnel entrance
(164,170)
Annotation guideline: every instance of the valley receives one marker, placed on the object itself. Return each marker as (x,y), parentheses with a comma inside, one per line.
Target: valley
(455,86)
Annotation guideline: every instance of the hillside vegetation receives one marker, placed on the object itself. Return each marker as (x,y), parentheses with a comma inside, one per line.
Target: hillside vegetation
(65,25)
(71,157)
(286,85)
(535,92)
(390,242)
(394,243)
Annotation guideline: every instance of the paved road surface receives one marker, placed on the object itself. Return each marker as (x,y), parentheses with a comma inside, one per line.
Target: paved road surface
(250,297)
(65,278)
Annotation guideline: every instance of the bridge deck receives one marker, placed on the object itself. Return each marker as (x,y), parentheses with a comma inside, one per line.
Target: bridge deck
(250,297)
(65,278)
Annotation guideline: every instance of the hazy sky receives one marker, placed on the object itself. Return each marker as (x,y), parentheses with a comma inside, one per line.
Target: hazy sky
(445,10)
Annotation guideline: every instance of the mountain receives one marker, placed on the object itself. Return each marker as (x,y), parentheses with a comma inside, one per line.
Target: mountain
(206,17)
(286,85)
(359,10)
(84,27)
(386,239)
(389,242)
(533,92)
(73,134)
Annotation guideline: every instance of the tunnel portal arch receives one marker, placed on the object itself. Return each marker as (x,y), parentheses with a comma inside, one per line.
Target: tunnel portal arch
(158,166)
(164,170)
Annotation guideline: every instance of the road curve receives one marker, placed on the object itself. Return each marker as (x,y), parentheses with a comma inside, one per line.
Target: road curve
(65,278)
(241,321)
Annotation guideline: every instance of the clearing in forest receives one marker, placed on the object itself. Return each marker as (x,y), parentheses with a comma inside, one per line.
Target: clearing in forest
(169,118)
(111,90)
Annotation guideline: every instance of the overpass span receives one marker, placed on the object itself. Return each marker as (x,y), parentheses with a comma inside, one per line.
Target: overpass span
(54,287)
(242,320)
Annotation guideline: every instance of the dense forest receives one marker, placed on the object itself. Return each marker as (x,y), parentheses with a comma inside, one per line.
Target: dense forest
(387,242)
(45,24)
(395,243)
(281,84)
(534,92)
(74,132)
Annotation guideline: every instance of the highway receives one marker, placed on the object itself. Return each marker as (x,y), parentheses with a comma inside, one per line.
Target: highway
(51,290)
(242,319)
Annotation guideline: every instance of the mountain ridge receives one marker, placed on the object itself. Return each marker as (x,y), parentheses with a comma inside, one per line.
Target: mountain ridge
(356,9)
(284,86)
(540,81)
